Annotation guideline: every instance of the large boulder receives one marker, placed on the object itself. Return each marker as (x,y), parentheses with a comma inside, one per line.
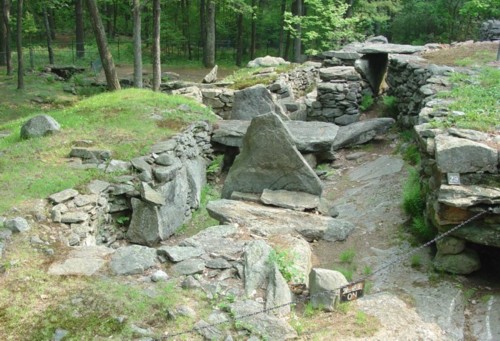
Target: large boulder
(278,293)
(38,126)
(458,155)
(267,61)
(150,222)
(263,326)
(265,220)
(324,287)
(270,160)
(254,101)
(256,266)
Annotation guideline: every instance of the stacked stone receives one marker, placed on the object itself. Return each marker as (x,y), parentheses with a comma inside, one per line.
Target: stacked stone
(219,100)
(82,214)
(414,83)
(490,30)
(159,197)
(338,96)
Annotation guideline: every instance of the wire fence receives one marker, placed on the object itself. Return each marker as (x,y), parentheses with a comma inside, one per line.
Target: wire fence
(332,292)
(65,53)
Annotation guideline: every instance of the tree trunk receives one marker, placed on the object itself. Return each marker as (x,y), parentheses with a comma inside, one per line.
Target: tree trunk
(6,21)
(102,43)
(253,34)
(49,38)
(498,52)
(156,45)
(287,46)
(239,39)
(282,29)
(297,43)
(348,13)
(203,31)
(20,64)
(210,48)
(186,27)
(79,30)
(2,38)
(137,44)
(52,21)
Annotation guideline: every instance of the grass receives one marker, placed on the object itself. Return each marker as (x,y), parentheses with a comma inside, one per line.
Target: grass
(366,103)
(40,95)
(390,106)
(120,122)
(413,201)
(347,256)
(465,55)
(247,77)
(477,97)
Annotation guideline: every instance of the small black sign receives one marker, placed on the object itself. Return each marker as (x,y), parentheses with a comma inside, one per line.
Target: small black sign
(352,292)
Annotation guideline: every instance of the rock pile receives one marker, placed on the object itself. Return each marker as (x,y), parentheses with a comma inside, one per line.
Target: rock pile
(338,96)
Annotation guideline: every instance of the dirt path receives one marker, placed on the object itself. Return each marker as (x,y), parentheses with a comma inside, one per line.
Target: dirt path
(366,187)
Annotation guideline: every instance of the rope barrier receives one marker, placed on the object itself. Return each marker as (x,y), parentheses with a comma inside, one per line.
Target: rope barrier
(330,292)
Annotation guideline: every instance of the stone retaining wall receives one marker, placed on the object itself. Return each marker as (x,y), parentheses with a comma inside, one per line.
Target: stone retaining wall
(459,168)
(414,82)
(338,96)
(159,196)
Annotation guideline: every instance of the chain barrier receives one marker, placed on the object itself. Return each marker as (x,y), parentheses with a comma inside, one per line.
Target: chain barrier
(330,292)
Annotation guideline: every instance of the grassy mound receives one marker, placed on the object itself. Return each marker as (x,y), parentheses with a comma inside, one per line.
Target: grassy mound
(125,122)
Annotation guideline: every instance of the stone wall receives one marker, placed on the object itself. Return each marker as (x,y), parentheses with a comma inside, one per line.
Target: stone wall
(459,168)
(414,82)
(219,100)
(339,94)
(158,197)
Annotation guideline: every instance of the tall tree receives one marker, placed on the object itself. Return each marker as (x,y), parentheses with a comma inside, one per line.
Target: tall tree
(253,34)
(6,21)
(47,32)
(203,30)
(2,38)
(137,44)
(281,49)
(210,39)
(156,45)
(297,43)
(102,44)
(20,64)
(79,29)
(239,38)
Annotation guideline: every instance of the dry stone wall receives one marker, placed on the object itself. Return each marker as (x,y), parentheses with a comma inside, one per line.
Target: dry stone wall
(160,194)
(459,168)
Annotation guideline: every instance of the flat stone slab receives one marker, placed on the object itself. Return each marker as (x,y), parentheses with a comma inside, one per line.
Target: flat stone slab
(389,48)
(288,199)
(133,260)
(180,253)
(63,195)
(484,323)
(82,261)
(382,166)
(264,220)
(309,137)
(466,196)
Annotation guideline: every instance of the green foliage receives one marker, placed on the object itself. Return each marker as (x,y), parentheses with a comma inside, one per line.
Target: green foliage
(416,261)
(347,256)
(286,264)
(390,108)
(420,228)
(366,102)
(477,98)
(324,27)
(215,165)
(411,154)
(367,270)
(361,318)
(413,201)
(247,77)
(347,272)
